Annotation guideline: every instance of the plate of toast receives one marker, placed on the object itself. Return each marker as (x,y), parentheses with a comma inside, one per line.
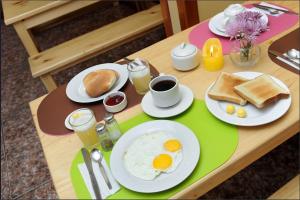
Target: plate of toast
(247,98)
(96,82)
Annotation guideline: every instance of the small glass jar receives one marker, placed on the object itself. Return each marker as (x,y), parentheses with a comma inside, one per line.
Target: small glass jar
(244,57)
(104,138)
(112,126)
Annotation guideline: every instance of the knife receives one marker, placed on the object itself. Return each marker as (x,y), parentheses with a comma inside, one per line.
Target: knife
(267,7)
(88,163)
(276,53)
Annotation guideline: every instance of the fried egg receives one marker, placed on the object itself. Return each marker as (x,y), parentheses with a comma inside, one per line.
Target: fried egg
(152,154)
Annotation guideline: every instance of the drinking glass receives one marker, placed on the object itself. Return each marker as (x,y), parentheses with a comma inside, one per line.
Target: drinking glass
(139,74)
(83,122)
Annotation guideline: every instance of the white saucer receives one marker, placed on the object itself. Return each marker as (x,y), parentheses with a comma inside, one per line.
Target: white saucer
(186,101)
(215,23)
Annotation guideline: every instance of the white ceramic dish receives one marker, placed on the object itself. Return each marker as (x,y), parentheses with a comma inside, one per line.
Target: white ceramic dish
(75,89)
(190,150)
(185,57)
(187,98)
(116,108)
(215,23)
(255,116)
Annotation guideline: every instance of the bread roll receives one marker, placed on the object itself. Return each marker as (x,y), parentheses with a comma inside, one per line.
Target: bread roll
(98,82)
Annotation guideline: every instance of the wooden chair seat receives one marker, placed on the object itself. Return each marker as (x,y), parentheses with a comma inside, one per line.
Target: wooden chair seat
(88,45)
(25,15)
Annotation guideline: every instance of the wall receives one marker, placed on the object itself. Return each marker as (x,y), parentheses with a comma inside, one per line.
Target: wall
(207,9)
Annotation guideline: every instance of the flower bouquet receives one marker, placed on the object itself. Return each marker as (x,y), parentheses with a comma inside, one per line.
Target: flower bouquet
(244,29)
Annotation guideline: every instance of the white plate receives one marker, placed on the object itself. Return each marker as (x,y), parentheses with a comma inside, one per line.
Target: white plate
(75,88)
(255,116)
(215,23)
(190,150)
(154,111)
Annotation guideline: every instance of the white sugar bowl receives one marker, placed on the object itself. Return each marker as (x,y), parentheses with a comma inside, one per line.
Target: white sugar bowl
(185,57)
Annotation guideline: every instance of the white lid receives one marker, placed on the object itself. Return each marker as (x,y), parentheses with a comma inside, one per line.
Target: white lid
(184,50)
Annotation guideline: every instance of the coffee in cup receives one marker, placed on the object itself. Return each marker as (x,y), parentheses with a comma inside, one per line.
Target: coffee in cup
(165,91)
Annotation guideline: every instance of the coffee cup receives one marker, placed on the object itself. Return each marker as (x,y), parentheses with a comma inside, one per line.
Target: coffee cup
(165,91)
(231,11)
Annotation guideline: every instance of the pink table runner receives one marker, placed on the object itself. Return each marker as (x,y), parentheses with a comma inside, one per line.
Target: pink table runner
(276,25)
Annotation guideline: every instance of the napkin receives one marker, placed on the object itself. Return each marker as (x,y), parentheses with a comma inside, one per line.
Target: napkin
(289,63)
(105,192)
(270,5)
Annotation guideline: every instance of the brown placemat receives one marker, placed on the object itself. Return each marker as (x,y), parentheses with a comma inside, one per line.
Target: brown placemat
(56,106)
(282,45)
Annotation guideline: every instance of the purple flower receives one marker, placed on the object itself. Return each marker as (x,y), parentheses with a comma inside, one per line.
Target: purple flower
(246,25)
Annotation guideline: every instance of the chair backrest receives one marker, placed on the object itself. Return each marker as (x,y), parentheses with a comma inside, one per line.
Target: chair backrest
(182,14)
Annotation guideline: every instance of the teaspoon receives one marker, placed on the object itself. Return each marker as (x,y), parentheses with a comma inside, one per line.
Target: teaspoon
(97,156)
(293,54)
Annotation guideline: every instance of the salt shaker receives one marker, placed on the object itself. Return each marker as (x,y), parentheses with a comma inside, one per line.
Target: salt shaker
(105,140)
(112,126)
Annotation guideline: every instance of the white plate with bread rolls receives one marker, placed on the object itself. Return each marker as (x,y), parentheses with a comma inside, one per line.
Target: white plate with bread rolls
(247,98)
(96,82)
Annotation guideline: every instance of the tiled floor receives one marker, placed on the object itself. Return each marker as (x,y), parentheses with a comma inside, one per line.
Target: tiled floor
(24,172)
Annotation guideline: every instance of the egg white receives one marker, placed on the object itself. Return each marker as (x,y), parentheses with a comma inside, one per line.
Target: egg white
(139,156)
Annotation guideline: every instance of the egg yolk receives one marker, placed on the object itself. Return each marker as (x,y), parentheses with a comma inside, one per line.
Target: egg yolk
(230,109)
(172,145)
(162,162)
(241,112)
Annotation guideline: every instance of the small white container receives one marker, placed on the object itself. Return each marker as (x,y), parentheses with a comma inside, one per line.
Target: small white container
(118,107)
(185,57)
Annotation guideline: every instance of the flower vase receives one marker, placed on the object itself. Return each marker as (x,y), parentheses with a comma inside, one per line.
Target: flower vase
(246,55)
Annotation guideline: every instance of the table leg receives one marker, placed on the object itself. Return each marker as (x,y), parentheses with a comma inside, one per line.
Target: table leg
(49,82)
(27,39)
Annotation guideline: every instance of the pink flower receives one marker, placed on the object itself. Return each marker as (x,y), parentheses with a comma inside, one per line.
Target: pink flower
(246,25)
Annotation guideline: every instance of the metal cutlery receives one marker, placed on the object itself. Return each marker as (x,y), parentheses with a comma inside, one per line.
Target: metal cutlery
(88,163)
(97,156)
(273,10)
(294,54)
(276,53)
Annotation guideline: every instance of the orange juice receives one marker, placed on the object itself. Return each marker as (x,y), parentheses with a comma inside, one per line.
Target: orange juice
(141,81)
(83,123)
(140,75)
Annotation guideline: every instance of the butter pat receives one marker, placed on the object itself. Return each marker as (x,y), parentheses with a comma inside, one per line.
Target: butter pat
(241,112)
(77,115)
(230,109)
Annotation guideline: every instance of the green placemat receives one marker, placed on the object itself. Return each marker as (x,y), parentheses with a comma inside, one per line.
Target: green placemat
(218,141)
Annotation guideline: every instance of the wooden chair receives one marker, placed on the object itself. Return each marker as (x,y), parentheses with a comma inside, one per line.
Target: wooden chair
(24,15)
(182,14)
(179,15)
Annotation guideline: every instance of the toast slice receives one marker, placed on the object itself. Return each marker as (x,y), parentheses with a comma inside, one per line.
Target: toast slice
(223,88)
(261,91)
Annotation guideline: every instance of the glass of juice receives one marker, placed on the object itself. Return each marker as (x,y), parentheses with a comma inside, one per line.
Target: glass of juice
(83,122)
(139,74)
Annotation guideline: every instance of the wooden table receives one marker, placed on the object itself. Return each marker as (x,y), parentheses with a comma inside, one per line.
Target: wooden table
(254,142)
